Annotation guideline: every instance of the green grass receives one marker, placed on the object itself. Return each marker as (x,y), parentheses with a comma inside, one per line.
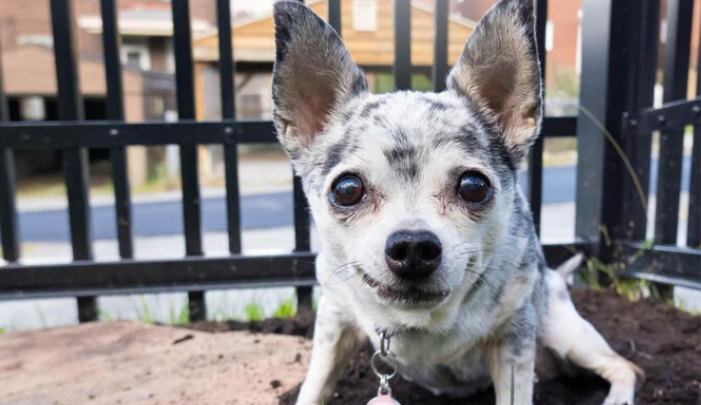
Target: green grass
(384,83)
(286,310)
(254,312)
(180,317)
(143,311)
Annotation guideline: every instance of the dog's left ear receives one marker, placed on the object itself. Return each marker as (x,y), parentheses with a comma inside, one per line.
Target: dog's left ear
(499,72)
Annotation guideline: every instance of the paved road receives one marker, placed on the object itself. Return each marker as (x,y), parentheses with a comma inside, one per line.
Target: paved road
(258,211)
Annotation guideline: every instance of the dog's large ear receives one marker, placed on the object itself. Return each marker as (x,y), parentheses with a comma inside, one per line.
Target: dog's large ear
(499,72)
(313,76)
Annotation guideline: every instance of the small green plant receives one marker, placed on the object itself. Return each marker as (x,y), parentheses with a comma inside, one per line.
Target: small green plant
(2,331)
(181,317)
(106,316)
(286,310)
(143,312)
(254,312)
(633,289)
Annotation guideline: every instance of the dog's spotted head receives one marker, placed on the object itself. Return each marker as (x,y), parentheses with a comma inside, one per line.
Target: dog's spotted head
(410,191)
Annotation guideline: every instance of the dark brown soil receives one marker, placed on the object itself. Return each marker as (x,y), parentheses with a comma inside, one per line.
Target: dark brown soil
(302,325)
(665,342)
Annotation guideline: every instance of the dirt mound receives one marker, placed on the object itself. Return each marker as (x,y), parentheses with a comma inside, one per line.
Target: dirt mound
(112,363)
(665,342)
(130,363)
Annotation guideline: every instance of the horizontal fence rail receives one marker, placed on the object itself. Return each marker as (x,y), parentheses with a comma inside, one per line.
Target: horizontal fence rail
(674,115)
(109,134)
(89,278)
(668,265)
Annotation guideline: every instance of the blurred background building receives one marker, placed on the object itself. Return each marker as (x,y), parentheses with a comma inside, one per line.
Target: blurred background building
(148,58)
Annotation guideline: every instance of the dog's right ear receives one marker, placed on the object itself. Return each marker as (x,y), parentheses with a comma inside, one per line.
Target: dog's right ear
(314,75)
(499,73)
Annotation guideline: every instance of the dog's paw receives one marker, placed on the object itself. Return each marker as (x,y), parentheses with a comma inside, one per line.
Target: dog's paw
(621,394)
(617,401)
(625,382)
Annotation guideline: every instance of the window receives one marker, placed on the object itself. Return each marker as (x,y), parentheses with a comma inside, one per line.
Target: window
(133,59)
(578,67)
(549,36)
(136,55)
(365,15)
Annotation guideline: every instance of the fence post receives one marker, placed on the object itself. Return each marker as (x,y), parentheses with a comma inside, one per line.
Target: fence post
(402,45)
(8,210)
(535,157)
(638,146)
(111,43)
(227,70)
(75,159)
(185,86)
(606,27)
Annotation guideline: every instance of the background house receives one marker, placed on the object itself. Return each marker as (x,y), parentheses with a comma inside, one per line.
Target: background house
(146,30)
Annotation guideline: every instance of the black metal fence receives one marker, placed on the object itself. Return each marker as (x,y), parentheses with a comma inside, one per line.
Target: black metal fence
(620,65)
(619,52)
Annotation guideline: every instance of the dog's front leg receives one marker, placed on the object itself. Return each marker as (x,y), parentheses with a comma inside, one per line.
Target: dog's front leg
(511,363)
(336,338)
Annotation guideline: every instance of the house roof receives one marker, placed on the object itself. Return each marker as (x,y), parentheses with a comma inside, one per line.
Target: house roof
(30,70)
(254,40)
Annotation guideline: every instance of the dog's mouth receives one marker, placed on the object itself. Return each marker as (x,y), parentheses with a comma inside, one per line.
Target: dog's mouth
(405,295)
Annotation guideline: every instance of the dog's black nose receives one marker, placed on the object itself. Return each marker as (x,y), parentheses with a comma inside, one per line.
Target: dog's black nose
(413,255)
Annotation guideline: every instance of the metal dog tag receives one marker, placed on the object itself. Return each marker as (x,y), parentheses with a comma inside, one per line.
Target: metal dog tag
(383,399)
(384,393)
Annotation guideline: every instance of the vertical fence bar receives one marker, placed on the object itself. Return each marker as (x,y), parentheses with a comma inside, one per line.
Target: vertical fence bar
(402,44)
(693,235)
(228,105)
(638,147)
(115,111)
(8,208)
(693,238)
(184,79)
(75,159)
(302,221)
(676,72)
(535,159)
(335,15)
(440,45)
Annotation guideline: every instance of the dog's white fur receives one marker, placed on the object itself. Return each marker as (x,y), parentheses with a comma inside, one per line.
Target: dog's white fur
(480,317)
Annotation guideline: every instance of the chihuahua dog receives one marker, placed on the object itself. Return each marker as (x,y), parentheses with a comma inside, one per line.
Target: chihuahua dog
(424,229)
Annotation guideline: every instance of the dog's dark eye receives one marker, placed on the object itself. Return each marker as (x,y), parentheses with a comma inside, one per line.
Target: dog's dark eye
(474,188)
(347,191)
